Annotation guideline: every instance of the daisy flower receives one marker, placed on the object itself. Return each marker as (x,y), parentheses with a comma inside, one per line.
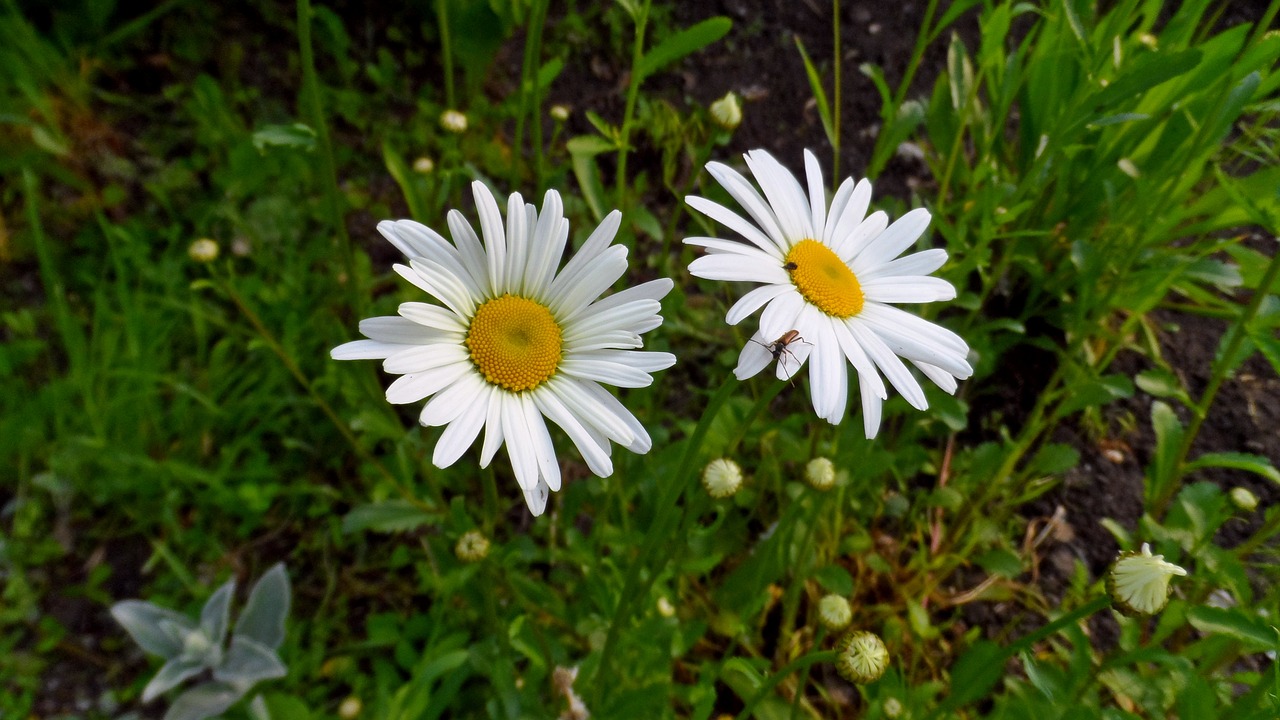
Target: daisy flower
(830,274)
(513,342)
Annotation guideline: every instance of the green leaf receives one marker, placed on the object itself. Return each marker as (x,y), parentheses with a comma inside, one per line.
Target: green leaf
(387,516)
(819,94)
(834,578)
(296,136)
(1249,462)
(582,153)
(1055,458)
(286,707)
(1168,441)
(1147,72)
(975,673)
(685,42)
(1161,383)
(1254,632)
(999,561)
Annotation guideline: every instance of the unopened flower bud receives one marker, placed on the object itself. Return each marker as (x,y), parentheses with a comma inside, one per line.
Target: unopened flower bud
(559,113)
(1139,582)
(473,546)
(453,121)
(203,250)
(820,473)
(892,708)
(863,657)
(1244,499)
(727,111)
(722,478)
(834,612)
(350,708)
(425,164)
(665,608)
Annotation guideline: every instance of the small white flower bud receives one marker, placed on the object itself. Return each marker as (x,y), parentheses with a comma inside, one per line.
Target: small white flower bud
(203,250)
(727,111)
(834,612)
(424,165)
(350,708)
(1244,499)
(665,608)
(453,121)
(473,546)
(863,657)
(820,473)
(1139,582)
(892,708)
(559,113)
(722,478)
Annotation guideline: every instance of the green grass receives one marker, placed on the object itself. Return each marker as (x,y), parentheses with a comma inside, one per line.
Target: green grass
(166,424)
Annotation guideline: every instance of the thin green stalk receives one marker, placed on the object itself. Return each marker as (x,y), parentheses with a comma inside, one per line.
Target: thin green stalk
(633,92)
(837,62)
(802,662)
(446,52)
(667,514)
(334,203)
(1221,369)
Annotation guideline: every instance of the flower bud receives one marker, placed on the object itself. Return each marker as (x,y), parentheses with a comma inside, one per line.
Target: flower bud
(473,546)
(453,121)
(424,164)
(1244,499)
(350,708)
(892,708)
(727,111)
(863,657)
(820,473)
(203,250)
(559,113)
(665,608)
(1139,582)
(834,612)
(722,478)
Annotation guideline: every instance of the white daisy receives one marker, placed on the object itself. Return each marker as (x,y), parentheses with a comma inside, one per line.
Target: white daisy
(829,275)
(515,341)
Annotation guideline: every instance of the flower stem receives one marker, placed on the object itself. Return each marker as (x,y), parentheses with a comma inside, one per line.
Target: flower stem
(667,513)
(633,92)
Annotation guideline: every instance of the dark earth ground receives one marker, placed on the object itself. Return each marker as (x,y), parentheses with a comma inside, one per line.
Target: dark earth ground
(759,60)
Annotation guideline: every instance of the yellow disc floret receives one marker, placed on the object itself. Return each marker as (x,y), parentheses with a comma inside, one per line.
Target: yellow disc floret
(824,280)
(514,342)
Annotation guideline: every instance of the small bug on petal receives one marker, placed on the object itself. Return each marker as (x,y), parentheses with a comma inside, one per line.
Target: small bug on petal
(779,348)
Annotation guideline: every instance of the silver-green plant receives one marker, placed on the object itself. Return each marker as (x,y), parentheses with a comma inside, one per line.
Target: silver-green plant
(191,648)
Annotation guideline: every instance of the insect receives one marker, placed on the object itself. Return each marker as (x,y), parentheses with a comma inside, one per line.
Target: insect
(780,348)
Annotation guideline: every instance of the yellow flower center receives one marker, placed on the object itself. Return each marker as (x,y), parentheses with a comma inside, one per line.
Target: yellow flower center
(514,343)
(824,280)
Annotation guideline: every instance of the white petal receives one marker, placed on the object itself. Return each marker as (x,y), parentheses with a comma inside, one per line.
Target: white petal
(596,278)
(868,378)
(908,289)
(495,237)
(440,284)
(459,435)
(587,407)
(753,358)
(734,222)
(940,377)
(716,246)
(612,340)
(754,300)
(415,386)
(897,238)
(431,246)
(432,316)
(921,263)
(365,350)
(453,400)
(780,316)
(524,461)
(652,290)
(828,377)
(736,267)
(547,247)
(599,241)
(421,358)
(750,200)
(596,457)
(612,373)
(904,341)
(817,194)
(872,406)
(543,449)
(891,365)
(895,317)
(848,245)
(646,361)
(518,228)
(784,194)
(392,329)
(589,325)
(837,211)
(536,497)
(493,435)
(640,442)
(470,250)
